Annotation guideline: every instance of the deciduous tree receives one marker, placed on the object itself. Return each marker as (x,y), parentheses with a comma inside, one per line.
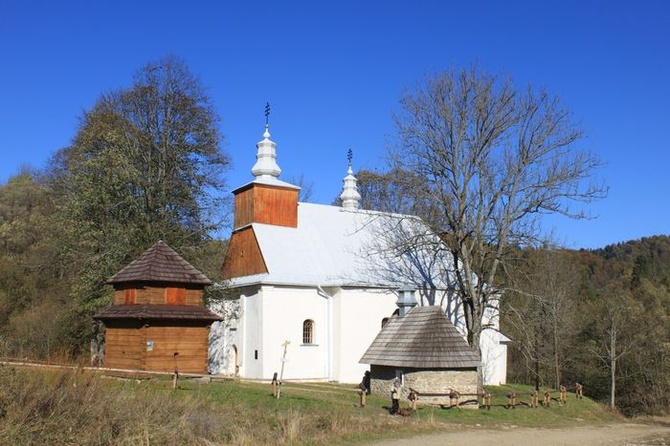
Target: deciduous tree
(484,161)
(146,165)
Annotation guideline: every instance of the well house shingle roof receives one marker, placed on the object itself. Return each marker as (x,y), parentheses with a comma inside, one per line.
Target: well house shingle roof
(160,263)
(425,338)
(163,312)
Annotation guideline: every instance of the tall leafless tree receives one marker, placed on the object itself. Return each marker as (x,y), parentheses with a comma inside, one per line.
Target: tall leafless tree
(484,161)
(538,312)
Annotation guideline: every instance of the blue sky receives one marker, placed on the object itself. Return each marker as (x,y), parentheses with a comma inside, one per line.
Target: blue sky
(333,72)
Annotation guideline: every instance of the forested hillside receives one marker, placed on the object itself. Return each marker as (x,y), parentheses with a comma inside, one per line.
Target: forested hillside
(595,317)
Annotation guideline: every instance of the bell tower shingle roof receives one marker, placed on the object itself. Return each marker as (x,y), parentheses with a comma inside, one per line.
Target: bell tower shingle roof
(160,263)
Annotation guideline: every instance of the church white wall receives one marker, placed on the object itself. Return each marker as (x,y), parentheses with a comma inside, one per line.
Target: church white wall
(358,315)
(494,358)
(251,331)
(345,323)
(493,348)
(284,311)
(224,341)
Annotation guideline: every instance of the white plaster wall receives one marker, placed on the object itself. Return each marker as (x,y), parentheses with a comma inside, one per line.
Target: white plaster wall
(358,317)
(223,336)
(346,322)
(250,330)
(494,352)
(285,310)
(494,358)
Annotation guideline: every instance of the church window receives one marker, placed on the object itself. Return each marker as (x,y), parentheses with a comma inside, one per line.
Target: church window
(308,332)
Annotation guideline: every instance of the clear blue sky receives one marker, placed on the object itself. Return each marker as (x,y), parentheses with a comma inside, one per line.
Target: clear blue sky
(333,72)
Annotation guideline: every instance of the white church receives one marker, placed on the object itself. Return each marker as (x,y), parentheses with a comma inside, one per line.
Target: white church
(313,283)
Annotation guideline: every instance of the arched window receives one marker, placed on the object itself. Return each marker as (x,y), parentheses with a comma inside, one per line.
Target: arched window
(308,332)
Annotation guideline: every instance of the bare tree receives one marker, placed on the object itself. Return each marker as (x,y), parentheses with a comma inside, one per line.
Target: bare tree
(538,310)
(617,314)
(484,161)
(306,194)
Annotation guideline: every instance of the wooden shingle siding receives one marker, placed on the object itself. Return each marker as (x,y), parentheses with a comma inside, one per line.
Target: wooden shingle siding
(243,257)
(158,311)
(190,342)
(175,296)
(123,348)
(141,313)
(119,297)
(425,338)
(266,204)
(157,295)
(160,263)
(126,348)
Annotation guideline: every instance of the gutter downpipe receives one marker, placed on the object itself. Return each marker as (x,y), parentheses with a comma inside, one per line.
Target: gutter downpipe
(329,343)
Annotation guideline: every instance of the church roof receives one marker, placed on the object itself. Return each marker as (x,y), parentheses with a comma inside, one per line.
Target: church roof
(163,312)
(425,338)
(160,263)
(333,246)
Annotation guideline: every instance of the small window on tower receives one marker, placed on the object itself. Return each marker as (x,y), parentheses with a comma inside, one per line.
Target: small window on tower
(129,296)
(175,296)
(308,332)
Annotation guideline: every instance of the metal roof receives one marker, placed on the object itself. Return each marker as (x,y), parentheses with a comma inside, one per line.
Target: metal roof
(333,246)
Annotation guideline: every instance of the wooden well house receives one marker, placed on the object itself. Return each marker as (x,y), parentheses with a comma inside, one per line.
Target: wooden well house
(424,349)
(158,320)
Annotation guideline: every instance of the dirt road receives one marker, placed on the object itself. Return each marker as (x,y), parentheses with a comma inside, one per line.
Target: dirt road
(614,434)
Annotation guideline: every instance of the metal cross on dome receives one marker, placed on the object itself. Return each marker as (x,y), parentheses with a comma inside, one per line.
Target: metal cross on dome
(267,112)
(350,155)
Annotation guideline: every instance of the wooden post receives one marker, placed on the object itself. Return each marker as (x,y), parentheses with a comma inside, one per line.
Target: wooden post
(283,362)
(511,399)
(486,399)
(547,398)
(362,393)
(563,394)
(274,385)
(454,395)
(413,398)
(175,378)
(534,398)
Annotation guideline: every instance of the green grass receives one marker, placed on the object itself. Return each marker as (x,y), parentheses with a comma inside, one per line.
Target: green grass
(74,407)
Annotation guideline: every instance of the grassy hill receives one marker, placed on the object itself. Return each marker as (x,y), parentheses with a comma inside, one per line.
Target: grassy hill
(75,407)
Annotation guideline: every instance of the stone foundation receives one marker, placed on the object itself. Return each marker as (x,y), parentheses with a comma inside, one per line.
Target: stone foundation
(433,385)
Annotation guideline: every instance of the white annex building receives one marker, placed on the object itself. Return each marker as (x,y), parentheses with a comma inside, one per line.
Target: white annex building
(314,283)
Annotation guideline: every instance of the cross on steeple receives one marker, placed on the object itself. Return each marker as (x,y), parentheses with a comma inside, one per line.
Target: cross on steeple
(267,112)
(350,196)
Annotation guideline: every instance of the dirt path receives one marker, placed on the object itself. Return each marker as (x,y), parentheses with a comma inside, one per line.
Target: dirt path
(614,434)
